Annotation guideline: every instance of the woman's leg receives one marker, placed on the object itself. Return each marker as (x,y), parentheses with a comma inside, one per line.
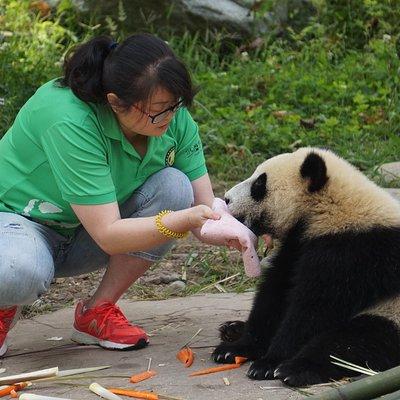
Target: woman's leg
(26,260)
(167,189)
(26,267)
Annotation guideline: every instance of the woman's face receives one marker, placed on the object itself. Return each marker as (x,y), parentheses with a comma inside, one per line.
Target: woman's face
(136,119)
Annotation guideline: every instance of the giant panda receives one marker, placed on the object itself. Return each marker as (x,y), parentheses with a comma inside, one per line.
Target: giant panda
(333,285)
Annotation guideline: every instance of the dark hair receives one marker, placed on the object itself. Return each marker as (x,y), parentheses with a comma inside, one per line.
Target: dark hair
(132,70)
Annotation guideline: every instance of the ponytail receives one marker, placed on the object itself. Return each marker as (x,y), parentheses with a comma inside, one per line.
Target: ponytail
(141,64)
(83,69)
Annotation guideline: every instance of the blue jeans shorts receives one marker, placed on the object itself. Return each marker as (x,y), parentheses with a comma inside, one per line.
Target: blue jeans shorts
(32,254)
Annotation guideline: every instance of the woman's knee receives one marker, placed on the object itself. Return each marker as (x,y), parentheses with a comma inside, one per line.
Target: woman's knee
(25,276)
(172,189)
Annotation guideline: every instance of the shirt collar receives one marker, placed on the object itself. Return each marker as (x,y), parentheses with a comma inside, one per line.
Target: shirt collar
(109,122)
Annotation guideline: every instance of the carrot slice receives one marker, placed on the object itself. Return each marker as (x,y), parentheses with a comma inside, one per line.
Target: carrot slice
(186,356)
(240,360)
(134,393)
(224,367)
(142,376)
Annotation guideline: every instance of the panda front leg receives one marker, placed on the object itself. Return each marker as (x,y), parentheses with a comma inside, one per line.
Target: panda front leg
(265,317)
(319,302)
(231,331)
(367,340)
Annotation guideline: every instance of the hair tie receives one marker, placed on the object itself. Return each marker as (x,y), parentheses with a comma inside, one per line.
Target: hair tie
(113,45)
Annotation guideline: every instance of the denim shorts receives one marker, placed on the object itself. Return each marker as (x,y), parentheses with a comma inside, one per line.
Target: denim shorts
(32,254)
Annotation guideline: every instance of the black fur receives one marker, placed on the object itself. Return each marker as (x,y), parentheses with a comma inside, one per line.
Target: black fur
(258,189)
(314,169)
(307,304)
(230,331)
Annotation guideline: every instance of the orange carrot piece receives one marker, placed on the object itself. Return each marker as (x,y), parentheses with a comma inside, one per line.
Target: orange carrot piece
(240,360)
(186,356)
(142,376)
(17,386)
(134,393)
(224,367)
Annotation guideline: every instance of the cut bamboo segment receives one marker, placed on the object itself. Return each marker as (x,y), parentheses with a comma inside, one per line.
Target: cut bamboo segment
(29,376)
(70,372)
(103,392)
(31,396)
(390,396)
(364,389)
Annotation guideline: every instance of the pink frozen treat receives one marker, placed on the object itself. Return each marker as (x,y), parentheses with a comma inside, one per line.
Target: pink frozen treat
(220,232)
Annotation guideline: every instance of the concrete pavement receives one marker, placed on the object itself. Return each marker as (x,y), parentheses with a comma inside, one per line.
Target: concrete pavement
(170,323)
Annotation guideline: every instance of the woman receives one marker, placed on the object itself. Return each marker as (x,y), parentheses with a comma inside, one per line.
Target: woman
(87,169)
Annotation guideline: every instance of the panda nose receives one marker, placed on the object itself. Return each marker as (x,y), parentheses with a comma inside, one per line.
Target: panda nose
(227,200)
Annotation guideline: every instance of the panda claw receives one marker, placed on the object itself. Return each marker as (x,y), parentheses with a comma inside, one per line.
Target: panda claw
(227,355)
(277,373)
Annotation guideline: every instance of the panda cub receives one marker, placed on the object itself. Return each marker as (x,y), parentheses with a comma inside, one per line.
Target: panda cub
(333,286)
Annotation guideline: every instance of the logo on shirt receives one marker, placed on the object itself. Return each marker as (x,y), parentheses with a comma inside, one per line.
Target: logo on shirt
(193,149)
(170,157)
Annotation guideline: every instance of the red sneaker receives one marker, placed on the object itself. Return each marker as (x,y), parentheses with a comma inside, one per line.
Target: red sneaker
(106,326)
(7,321)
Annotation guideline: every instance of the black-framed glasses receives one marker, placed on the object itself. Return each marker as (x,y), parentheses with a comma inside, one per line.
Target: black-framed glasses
(157,118)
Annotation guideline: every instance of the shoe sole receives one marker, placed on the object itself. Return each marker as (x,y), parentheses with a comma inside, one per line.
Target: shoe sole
(3,349)
(86,339)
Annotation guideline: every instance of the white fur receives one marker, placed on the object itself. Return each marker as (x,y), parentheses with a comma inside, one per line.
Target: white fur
(348,202)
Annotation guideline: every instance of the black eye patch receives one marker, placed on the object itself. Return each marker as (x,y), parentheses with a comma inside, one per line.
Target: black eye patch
(258,189)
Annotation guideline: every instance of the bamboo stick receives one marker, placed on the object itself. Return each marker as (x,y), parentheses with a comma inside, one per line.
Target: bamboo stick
(31,396)
(71,372)
(29,376)
(390,396)
(365,389)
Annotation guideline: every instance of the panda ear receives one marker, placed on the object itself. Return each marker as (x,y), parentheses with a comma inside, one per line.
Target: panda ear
(314,169)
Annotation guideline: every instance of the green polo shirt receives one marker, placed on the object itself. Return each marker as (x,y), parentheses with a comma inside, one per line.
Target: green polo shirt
(61,150)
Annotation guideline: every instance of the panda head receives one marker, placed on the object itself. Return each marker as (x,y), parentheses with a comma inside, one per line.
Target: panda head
(314,186)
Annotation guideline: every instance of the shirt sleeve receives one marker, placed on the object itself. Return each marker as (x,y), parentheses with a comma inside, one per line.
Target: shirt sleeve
(78,159)
(189,156)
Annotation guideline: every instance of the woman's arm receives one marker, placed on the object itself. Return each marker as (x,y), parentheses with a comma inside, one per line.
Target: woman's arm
(203,194)
(117,236)
(202,190)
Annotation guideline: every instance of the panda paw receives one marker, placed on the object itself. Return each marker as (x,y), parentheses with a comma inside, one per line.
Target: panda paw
(231,331)
(262,369)
(225,353)
(302,372)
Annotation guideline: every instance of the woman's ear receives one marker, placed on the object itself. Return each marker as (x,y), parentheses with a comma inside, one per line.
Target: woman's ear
(114,102)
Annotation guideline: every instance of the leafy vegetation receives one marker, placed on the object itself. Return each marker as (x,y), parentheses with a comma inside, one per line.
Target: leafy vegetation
(335,83)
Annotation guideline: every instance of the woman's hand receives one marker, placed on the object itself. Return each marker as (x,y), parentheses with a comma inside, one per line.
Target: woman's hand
(198,215)
(189,219)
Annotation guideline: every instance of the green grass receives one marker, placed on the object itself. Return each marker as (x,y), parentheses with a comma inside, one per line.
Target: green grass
(306,89)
